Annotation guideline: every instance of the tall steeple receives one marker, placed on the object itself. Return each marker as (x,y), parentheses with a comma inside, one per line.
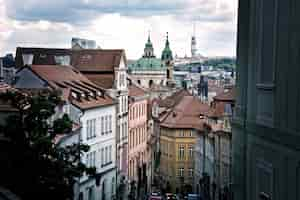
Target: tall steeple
(193,42)
(167,58)
(148,50)
(167,53)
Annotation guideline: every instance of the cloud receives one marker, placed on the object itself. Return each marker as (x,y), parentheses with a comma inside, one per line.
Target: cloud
(120,24)
(82,11)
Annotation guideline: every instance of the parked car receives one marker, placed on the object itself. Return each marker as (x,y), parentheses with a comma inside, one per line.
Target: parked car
(194,197)
(170,196)
(155,196)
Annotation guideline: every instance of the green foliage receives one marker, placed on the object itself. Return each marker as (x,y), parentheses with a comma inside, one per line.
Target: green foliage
(38,168)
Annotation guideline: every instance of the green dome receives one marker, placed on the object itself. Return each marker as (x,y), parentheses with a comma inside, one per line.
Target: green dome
(147,64)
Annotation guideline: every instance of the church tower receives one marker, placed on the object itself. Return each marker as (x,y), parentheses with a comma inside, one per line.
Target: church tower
(167,59)
(194,44)
(149,50)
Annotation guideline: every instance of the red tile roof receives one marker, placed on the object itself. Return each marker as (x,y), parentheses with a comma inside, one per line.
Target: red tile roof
(187,114)
(135,91)
(102,80)
(97,60)
(174,99)
(79,90)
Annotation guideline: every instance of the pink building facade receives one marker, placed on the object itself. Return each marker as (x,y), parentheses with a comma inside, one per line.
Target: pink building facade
(138,135)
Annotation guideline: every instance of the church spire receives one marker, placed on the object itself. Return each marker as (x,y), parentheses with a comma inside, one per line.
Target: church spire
(167,40)
(149,40)
(148,50)
(167,53)
(193,42)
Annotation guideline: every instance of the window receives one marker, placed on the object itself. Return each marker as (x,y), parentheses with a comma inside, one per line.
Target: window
(126,103)
(132,138)
(181,133)
(122,80)
(105,124)
(139,135)
(191,151)
(27,59)
(88,127)
(91,159)
(91,129)
(139,106)
(106,155)
(102,157)
(181,172)
(123,131)
(133,113)
(126,128)
(62,60)
(181,152)
(191,134)
(110,154)
(191,172)
(102,125)
(110,123)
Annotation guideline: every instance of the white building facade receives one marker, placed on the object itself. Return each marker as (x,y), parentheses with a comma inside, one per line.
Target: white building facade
(95,113)
(99,132)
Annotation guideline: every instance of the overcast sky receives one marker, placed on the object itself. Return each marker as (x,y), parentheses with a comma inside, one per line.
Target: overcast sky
(120,24)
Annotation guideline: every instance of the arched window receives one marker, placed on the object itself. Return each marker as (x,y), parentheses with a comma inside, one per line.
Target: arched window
(139,82)
(150,83)
(168,73)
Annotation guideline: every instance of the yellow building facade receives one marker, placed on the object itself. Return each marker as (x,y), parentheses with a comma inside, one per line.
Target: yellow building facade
(177,158)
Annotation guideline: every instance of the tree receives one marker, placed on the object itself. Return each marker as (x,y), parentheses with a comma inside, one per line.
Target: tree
(37,168)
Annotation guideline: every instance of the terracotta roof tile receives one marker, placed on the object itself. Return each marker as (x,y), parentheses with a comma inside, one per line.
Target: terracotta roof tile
(76,87)
(102,80)
(97,60)
(135,91)
(187,114)
(174,99)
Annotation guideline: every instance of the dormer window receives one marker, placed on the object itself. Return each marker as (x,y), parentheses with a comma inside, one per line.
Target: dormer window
(86,57)
(62,60)
(74,95)
(27,59)
(43,56)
